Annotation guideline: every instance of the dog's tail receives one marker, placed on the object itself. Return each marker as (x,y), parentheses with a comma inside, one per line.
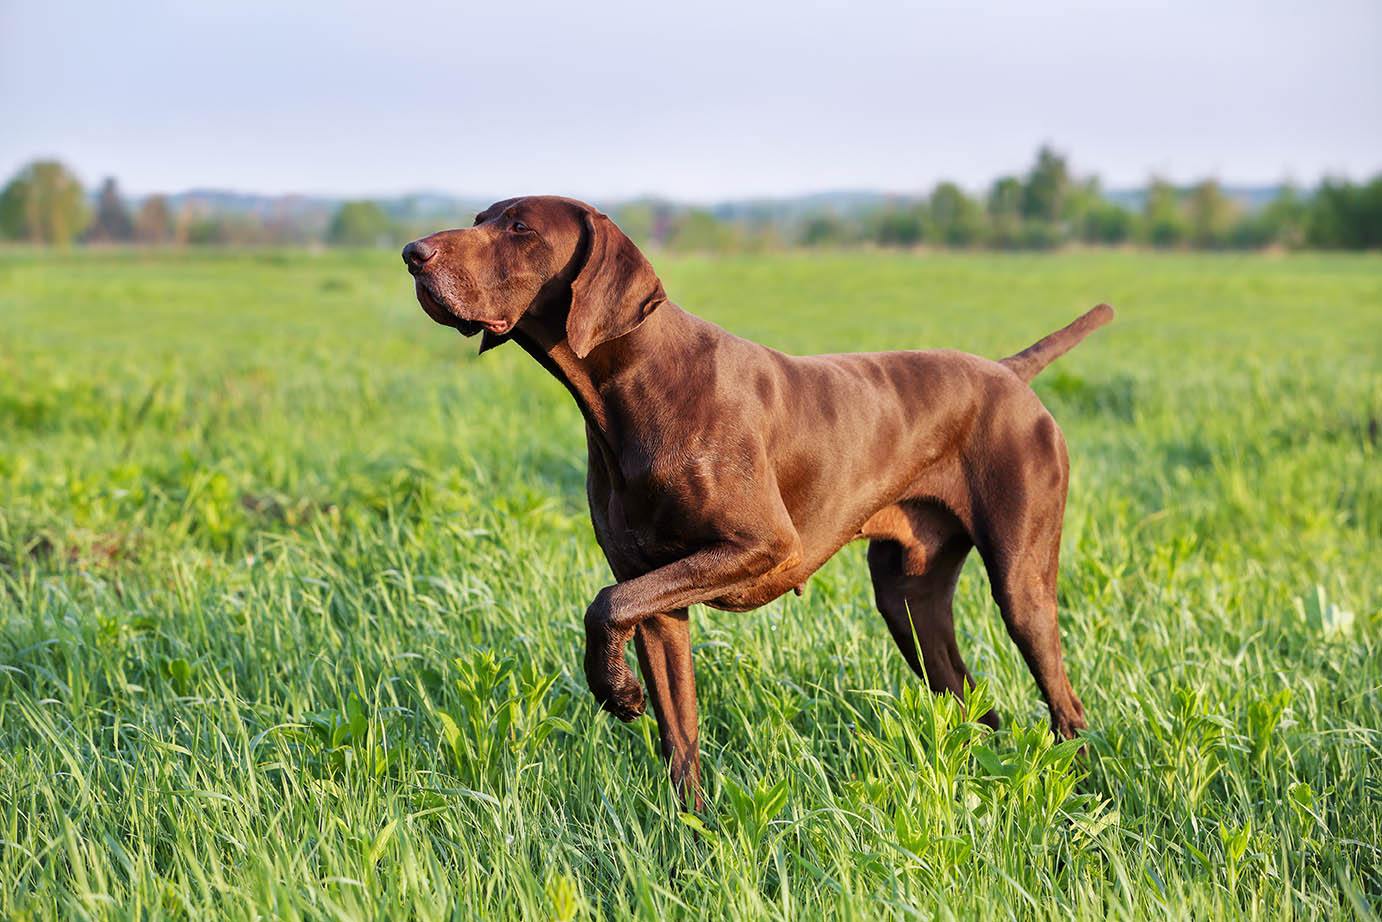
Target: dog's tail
(1029,363)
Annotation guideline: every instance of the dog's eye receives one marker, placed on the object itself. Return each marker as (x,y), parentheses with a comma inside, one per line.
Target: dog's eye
(518,227)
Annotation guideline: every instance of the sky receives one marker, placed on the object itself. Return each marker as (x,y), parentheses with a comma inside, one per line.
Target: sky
(700,101)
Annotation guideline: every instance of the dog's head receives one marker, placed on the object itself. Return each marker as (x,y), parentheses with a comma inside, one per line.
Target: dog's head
(535,255)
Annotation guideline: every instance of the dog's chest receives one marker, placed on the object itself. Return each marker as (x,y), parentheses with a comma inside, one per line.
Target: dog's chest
(640,537)
(656,517)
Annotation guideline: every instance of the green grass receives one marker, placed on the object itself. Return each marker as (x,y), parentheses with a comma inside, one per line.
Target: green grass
(291,587)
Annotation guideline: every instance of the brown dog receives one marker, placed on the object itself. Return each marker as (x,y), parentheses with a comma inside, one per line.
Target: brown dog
(723,472)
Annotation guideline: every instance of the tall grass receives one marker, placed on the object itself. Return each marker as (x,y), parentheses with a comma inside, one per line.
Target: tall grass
(291,588)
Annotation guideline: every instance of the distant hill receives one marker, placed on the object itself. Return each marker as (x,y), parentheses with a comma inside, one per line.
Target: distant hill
(841,202)
(224,201)
(1250,197)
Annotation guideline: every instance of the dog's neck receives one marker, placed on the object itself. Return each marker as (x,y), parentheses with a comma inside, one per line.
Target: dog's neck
(600,381)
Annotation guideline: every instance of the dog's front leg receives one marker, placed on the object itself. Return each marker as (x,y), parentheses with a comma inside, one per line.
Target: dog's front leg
(664,659)
(618,610)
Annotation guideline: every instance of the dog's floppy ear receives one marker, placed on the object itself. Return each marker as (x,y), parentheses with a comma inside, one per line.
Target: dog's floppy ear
(615,291)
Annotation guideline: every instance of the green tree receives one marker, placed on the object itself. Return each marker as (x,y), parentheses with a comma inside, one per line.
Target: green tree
(219,228)
(825,229)
(1343,215)
(1047,187)
(954,218)
(154,221)
(112,223)
(638,221)
(43,203)
(358,224)
(1080,200)
(1163,225)
(1283,219)
(1106,223)
(1211,215)
(1004,207)
(1368,215)
(898,225)
(699,230)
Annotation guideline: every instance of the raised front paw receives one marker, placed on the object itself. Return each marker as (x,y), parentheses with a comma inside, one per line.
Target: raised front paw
(623,699)
(608,674)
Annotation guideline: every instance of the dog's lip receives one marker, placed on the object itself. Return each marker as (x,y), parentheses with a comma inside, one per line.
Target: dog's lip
(494,327)
(424,294)
(465,325)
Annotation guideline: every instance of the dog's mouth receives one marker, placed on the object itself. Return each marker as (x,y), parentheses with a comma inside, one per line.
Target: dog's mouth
(442,313)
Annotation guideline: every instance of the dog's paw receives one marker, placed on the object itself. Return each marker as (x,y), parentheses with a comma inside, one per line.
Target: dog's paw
(1067,725)
(624,701)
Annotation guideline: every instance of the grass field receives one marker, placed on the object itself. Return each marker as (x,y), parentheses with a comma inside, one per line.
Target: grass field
(291,587)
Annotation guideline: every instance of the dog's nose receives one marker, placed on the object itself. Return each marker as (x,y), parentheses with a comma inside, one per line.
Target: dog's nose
(417,253)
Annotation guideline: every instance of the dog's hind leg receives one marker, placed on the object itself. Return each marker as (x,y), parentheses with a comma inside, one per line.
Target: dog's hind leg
(1020,544)
(664,658)
(914,588)
(1024,586)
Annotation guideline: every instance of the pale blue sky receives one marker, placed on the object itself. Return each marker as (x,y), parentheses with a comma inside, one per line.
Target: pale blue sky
(699,101)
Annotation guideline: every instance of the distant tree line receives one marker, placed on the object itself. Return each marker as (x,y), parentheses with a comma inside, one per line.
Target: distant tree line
(1046,207)
(1049,207)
